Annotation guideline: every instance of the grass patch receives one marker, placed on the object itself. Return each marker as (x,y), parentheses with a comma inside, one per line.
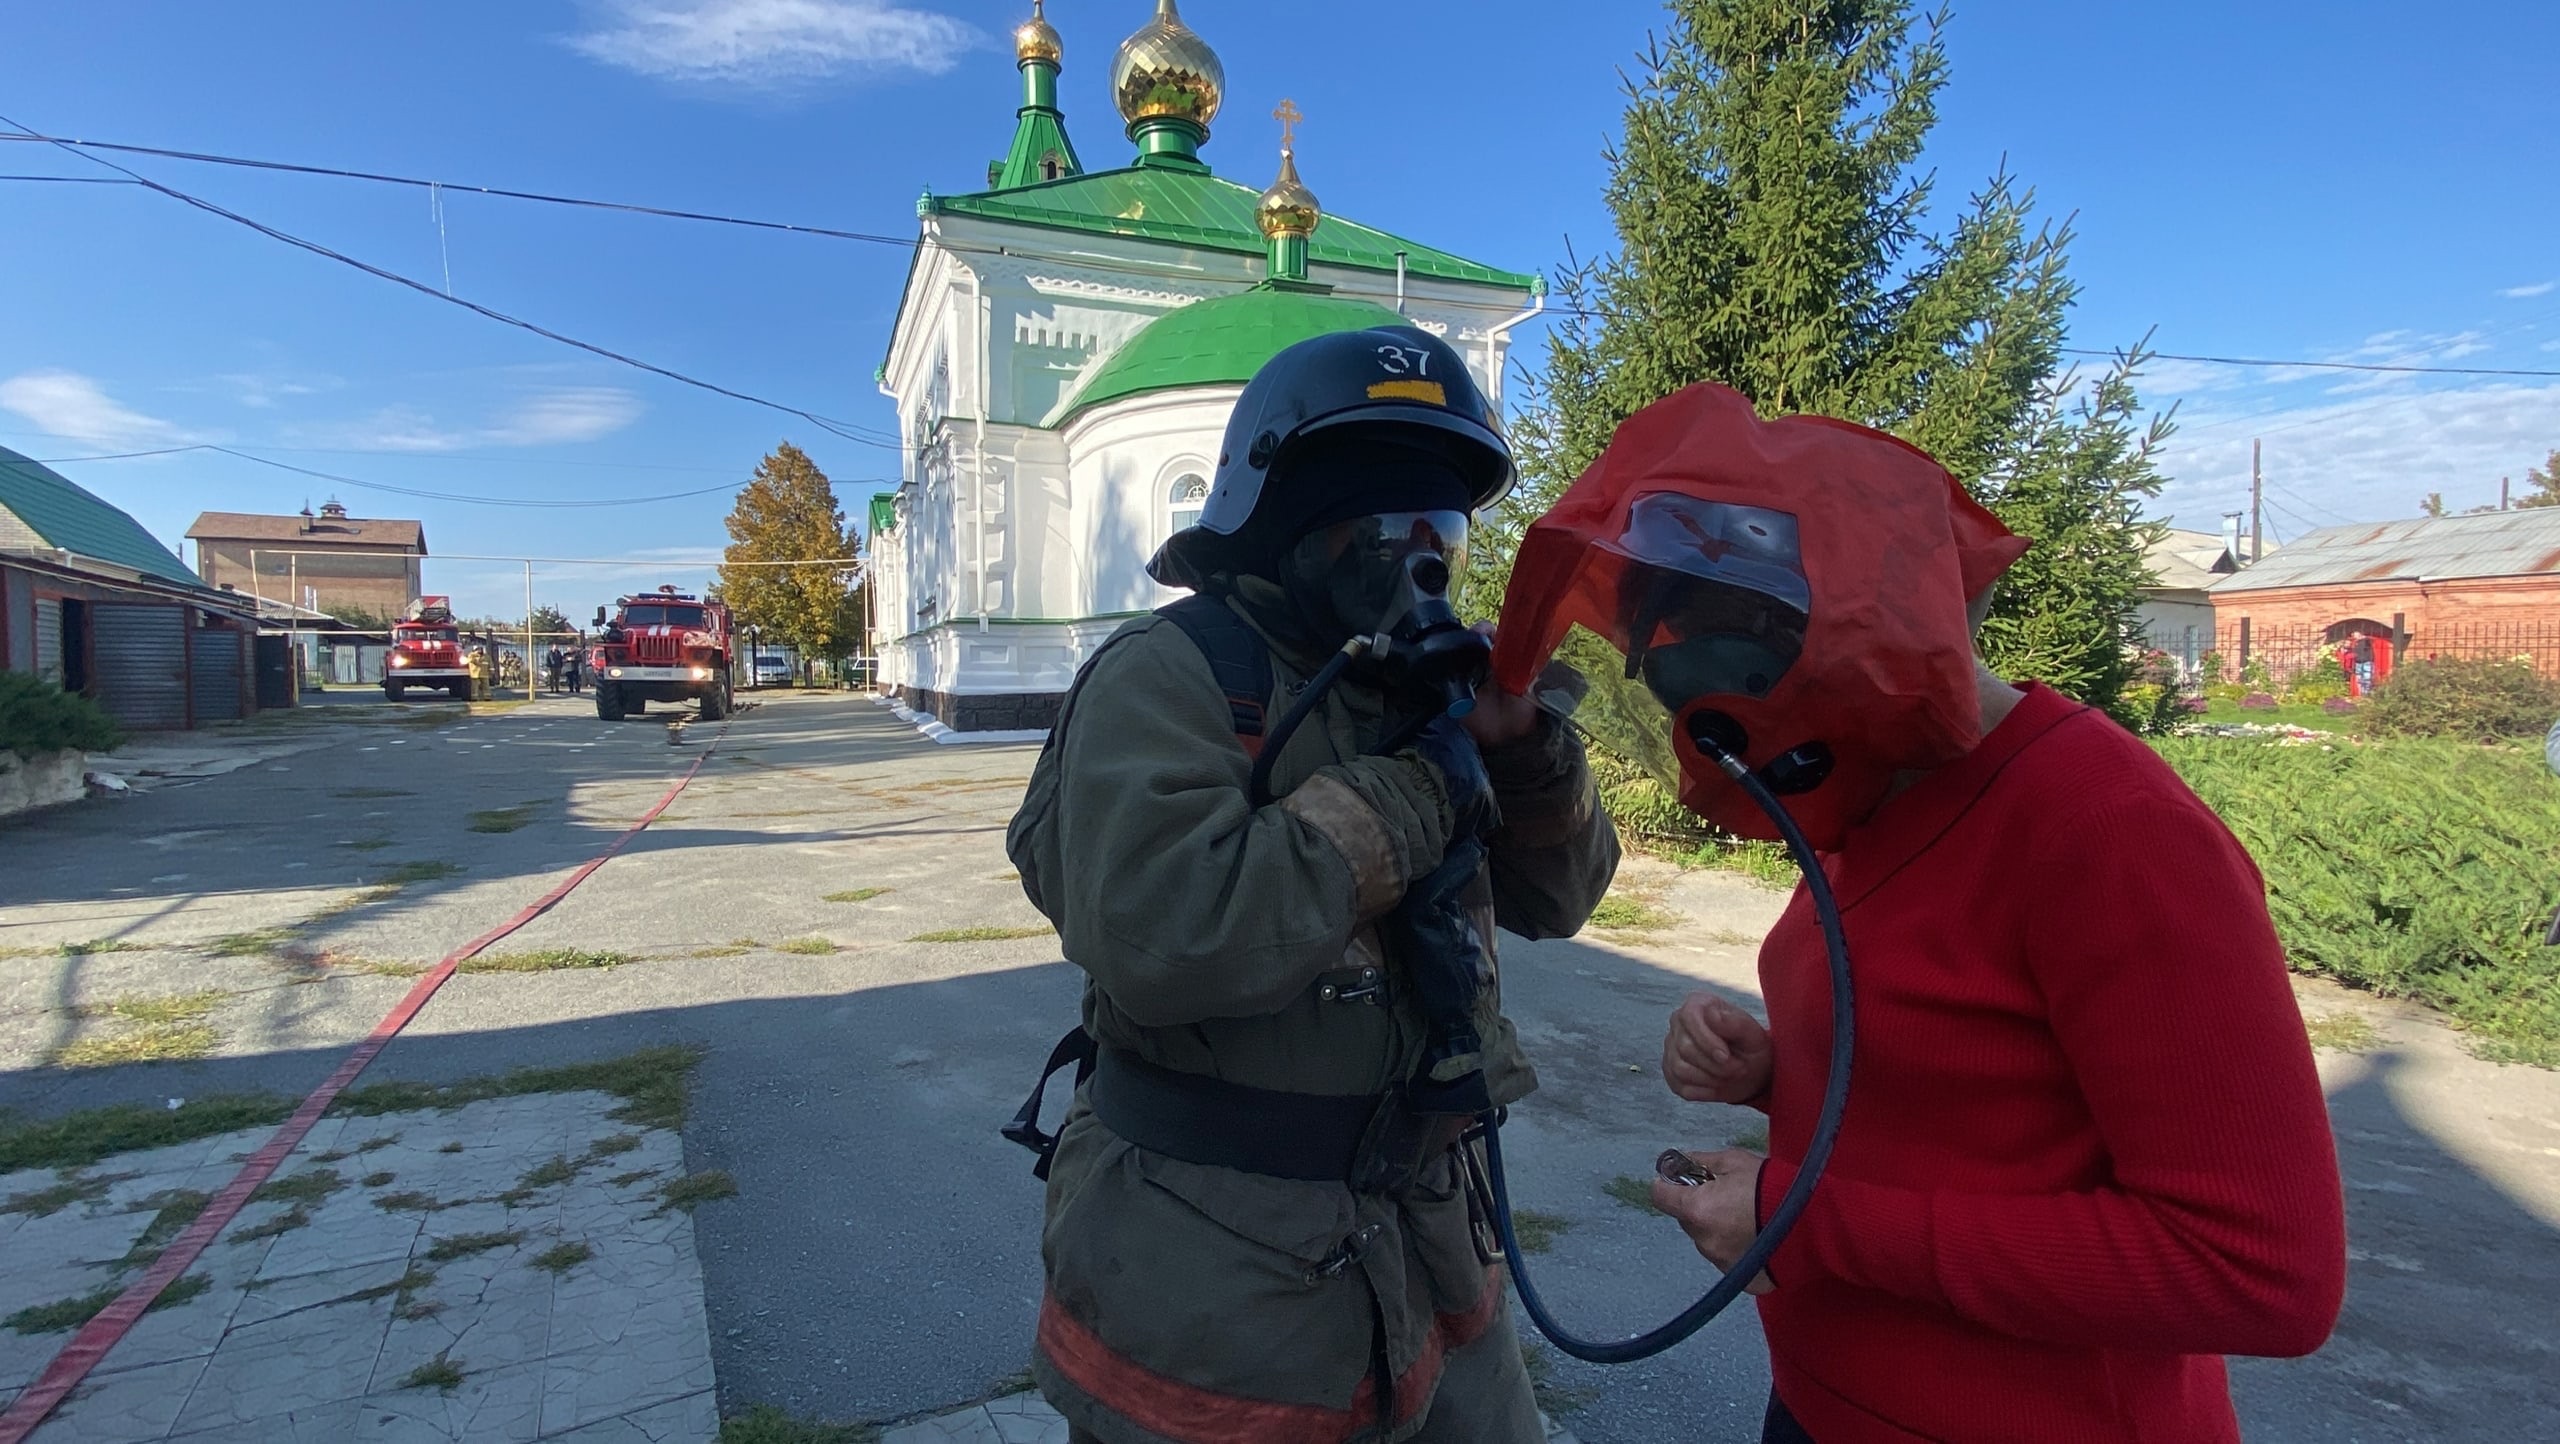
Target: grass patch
(551,1174)
(1537,1230)
(171,1211)
(312,1185)
(97,946)
(465,1245)
(257,944)
(407,873)
(153,1043)
(612,1147)
(696,1189)
(734,948)
(407,1284)
(63,1315)
(166,1009)
(855,895)
(276,1227)
(407,1201)
(367,794)
(53,1198)
(366,844)
(562,1257)
(980,935)
(637,1175)
(650,1083)
(505,819)
(2341,1033)
(1634,1192)
(1621,913)
(1734,938)
(543,960)
(766,1424)
(376,1145)
(436,1373)
(379,1180)
(808,947)
(454,1147)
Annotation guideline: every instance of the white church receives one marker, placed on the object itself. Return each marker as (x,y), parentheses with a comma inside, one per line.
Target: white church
(1064,359)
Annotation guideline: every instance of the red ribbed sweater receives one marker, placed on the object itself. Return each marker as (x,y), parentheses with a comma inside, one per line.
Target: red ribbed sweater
(2086,1153)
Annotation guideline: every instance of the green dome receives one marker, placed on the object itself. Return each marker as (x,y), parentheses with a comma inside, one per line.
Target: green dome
(1222,342)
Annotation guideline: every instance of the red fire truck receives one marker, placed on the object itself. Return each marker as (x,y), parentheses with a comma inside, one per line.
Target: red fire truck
(662,646)
(426,651)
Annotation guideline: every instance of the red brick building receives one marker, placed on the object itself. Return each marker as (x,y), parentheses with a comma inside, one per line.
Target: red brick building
(326,562)
(2455,586)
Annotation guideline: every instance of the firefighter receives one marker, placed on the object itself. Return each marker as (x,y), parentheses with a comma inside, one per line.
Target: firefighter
(1250,1235)
(477,663)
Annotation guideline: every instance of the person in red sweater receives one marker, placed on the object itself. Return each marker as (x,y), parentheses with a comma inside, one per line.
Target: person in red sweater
(2085,1152)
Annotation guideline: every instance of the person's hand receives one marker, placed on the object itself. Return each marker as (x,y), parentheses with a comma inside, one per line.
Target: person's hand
(1715,1052)
(1722,1215)
(1451,751)
(1500,718)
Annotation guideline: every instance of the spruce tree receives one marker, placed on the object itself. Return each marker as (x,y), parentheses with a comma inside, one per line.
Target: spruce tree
(2544,484)
(1769,215)
(788,513)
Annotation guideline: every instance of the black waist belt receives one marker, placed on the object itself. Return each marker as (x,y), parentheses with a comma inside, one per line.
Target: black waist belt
(1199,1119)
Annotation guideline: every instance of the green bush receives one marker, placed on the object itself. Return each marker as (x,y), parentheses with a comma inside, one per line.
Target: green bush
(37,716)
(2477,701)
(2318,682)
(2419,869)
(1650,817)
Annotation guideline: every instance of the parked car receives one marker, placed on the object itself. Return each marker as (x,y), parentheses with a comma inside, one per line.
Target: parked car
(773,672)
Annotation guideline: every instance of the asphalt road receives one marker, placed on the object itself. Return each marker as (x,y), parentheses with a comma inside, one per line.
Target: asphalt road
(880,1260)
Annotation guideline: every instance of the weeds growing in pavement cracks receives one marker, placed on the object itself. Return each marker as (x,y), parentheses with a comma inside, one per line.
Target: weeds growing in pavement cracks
(158,1029)
(172,1209)
(766,1424)
(1733,938)
(251,945)
(464,1245)
(544,960)
(276,1227)
(734,948)
(562,1257)
(1538,1230)
(63,1315)
(436,1373)
(361,794)
(377,1144)
(557,1170)
(378,1180)
(1623,913)
(54,1197)
(808,947)
(454,1147)
(102,945)
(312,1185)
(366,844)
(612,1146)
(1634,1192)
(855,895)
(696,1189)
(505,819)
(637,1175)
(2342,1033)
(408,1201)
(1014,1383)
(406,873)
(980,935)
(334,1155)
(404,1286)
(650,1083)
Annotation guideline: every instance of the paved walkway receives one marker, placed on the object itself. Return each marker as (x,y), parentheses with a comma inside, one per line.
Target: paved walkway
(1026,1418)
(505,1271)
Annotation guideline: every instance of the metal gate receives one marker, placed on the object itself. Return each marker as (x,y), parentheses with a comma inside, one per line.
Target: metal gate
(275,671)
(49,639)
(215,652)
(141,662)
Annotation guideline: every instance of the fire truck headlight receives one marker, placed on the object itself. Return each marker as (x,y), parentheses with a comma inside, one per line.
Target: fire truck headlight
(616,672)
(702,674)
(399,661)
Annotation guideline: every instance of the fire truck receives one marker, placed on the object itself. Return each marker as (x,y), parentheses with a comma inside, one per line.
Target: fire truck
(662,646)
(426,651)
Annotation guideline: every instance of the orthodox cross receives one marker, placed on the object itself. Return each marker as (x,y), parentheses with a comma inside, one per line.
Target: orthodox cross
(1288,115)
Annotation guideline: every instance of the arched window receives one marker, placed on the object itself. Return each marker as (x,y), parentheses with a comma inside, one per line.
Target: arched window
(1190,492)
(1050,169)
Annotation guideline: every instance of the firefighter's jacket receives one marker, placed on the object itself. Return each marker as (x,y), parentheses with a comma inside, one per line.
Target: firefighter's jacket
(1191,1302)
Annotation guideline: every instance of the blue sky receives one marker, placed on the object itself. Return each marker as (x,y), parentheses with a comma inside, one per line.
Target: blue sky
(2244,182)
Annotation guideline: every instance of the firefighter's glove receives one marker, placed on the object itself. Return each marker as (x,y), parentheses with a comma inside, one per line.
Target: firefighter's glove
(1452,754)
(1431,937)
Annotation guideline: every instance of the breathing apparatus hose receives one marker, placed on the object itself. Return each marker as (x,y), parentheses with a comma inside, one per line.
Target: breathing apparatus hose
(1835,1093)
(1817,1154)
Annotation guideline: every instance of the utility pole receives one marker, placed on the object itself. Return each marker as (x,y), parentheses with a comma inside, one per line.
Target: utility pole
(2502,493)
(2257,507)
(529,693)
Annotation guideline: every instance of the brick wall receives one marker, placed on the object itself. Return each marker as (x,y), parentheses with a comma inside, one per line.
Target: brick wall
(2484,616)
(380,581)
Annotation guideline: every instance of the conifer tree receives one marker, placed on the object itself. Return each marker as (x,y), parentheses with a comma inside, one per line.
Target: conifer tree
(2545,481)
(1769,213)
(788,513)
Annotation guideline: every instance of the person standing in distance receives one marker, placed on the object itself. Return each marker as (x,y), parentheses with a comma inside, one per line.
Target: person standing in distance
(1250,1238)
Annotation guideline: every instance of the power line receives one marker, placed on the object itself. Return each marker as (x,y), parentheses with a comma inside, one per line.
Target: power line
(406,490)
(2325,365)
(847,432)
(68,180)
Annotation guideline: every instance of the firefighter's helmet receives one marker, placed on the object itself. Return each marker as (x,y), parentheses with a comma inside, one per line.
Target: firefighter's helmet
(1397,380)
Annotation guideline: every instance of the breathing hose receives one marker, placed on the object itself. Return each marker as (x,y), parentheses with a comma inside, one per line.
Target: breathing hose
(1835,1092)
(1817,1154)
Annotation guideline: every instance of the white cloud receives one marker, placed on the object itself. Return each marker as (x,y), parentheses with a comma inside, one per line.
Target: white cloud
(553,418)
(68,404)
(2527,293)
(262,392)
(769,42)
(2361,459)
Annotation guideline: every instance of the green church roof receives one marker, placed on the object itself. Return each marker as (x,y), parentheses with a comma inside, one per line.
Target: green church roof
(1190,207)
(1222,342)
(68,516)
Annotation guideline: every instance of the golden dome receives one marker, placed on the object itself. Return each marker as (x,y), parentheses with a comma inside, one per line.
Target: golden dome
(1167,70)
(1037,39)
(1288,208)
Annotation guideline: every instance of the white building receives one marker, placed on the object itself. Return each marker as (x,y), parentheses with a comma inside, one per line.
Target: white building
(1064,359)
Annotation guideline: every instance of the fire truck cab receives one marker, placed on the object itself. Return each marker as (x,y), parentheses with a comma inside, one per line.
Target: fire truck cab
(426,651)
(662,646)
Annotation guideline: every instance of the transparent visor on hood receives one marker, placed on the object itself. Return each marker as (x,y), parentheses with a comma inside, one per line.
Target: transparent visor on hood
(1710,600)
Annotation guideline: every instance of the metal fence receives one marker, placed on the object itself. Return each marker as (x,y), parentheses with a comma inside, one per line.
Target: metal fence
(2287,652)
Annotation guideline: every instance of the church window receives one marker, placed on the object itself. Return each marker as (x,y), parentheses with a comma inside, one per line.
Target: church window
(1049,167)
(1190,494)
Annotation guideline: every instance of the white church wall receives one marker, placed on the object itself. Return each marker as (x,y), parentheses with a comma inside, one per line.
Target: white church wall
(1128,461)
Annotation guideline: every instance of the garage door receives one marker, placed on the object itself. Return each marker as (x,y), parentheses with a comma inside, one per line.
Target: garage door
(141,665)
(49,639)
(216,678)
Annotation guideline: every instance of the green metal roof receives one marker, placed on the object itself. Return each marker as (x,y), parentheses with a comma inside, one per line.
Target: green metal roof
(884,512)
(1193,208)
(68,516)
(1223,341)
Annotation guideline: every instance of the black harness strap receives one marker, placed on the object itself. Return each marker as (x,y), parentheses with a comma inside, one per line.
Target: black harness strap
(1238,657)
(1076,1048)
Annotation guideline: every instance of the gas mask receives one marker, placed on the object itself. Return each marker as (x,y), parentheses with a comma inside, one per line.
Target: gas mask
(1387,576)
(1789,592)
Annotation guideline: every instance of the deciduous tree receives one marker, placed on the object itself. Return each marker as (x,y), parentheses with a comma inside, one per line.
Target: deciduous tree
(788,513)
